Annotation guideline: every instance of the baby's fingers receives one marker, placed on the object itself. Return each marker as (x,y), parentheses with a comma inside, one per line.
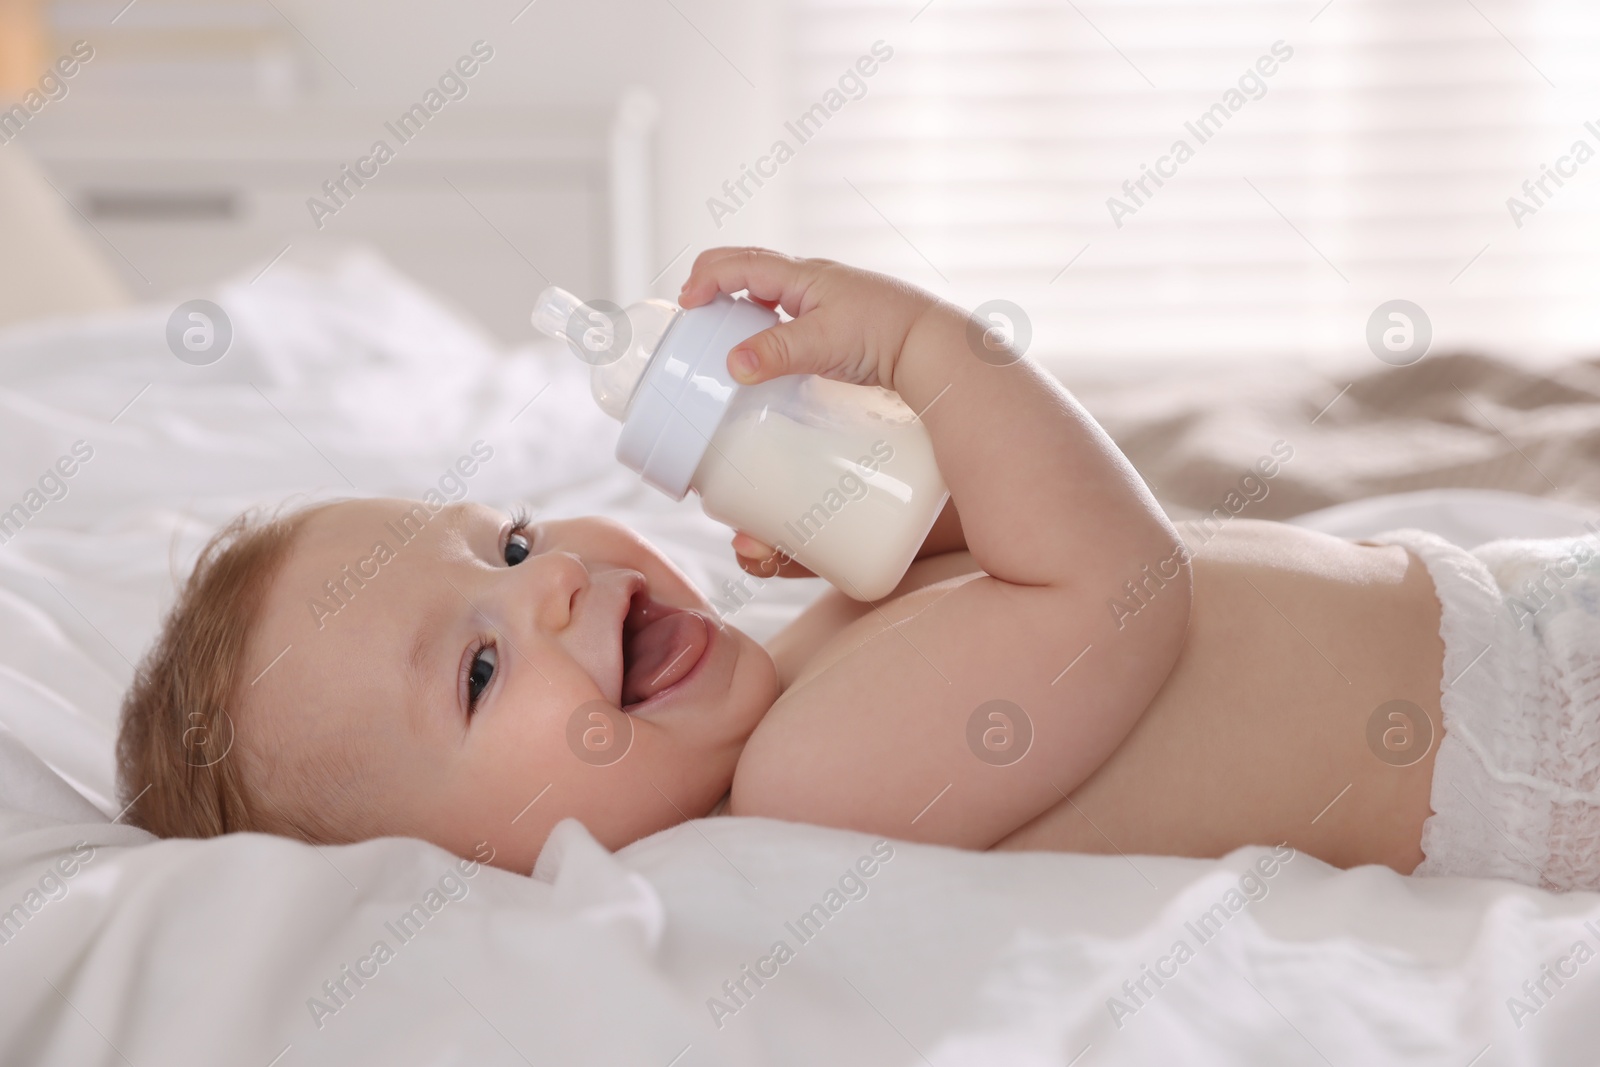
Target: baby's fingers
(764,561)
(799,346)
(768,276)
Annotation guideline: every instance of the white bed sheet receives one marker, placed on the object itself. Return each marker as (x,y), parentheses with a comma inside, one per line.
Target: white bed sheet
(210,952)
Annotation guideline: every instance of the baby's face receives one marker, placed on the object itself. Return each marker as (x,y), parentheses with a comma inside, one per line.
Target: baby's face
(466,671)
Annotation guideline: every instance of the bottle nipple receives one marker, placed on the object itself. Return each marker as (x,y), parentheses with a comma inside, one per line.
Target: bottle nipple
(616,344)
(553,313)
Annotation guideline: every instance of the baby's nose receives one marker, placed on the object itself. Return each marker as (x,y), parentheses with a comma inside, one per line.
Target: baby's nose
(559,577)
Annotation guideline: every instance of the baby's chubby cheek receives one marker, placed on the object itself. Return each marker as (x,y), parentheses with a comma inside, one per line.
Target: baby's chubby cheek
(754,685)
(676,764)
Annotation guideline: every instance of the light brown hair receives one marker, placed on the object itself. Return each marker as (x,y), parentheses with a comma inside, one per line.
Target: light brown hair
(177,763)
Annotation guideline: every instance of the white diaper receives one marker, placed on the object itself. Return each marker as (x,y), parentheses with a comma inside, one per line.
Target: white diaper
(1516,783)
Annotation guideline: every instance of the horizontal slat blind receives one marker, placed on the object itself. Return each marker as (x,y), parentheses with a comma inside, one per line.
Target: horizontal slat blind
(1375,163)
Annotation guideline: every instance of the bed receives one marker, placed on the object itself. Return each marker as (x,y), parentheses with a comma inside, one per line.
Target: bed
(116,948)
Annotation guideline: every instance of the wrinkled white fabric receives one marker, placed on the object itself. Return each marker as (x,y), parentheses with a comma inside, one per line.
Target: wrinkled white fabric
(1514,784)
(224,951)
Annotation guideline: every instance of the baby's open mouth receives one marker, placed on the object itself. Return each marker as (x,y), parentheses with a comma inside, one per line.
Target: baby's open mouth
(660,646)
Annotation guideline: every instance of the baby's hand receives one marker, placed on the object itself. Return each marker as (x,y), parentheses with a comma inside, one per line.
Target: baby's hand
(762,560)
(848,324)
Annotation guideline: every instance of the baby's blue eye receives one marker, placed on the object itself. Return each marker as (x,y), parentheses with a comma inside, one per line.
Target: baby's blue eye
(479,676)
(517,549)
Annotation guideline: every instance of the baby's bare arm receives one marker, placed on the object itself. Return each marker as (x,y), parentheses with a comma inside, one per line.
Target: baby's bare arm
(1046,498)
(1054,515)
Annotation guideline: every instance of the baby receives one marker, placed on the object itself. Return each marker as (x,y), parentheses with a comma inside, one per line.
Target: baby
(1058,670)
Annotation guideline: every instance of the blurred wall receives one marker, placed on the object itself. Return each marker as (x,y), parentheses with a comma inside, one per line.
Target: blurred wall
(716,109)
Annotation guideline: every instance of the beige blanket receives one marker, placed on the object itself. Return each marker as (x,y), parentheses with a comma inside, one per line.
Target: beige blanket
(1451,420)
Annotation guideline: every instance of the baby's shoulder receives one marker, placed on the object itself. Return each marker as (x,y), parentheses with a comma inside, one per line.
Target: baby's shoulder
(876,721)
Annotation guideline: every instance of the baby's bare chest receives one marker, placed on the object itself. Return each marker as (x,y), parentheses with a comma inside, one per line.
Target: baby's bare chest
(1294,640)
(1262,733)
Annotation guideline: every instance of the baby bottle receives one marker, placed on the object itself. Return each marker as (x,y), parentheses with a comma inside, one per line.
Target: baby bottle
(839,477)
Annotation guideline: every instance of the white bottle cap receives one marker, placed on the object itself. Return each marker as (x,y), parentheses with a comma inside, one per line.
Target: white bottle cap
(686,391)
(659,369)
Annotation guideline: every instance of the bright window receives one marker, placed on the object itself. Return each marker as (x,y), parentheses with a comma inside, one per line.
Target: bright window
(1352,153)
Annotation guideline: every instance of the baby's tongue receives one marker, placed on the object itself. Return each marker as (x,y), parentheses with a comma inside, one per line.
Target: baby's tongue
(661,653)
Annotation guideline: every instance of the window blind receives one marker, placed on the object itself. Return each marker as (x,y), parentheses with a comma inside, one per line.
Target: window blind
(1311,161)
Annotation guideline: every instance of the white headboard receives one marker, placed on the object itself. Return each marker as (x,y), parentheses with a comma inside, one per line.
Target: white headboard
(484,205)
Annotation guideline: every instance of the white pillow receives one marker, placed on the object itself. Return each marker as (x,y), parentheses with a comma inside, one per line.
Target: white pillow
(47,267)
